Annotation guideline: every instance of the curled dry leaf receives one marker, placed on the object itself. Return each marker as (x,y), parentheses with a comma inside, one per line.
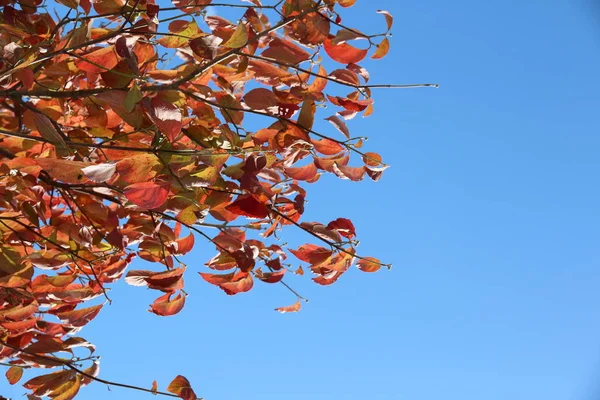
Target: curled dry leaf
(288,309)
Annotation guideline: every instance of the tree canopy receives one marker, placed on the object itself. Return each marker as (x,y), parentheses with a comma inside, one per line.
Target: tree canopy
(134,129)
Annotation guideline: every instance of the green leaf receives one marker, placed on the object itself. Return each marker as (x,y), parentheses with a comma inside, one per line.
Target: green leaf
(133,97)
(239,37)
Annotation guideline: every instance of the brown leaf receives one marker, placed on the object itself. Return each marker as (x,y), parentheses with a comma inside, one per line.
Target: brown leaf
(389,19)
(47,130)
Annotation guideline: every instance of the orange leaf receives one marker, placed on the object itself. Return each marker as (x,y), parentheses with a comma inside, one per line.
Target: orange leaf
(182,388)
(293,308)
(165,307)
(14,374)
(99,60)
(343,52)
(305,173)
(382,49)
(368,264)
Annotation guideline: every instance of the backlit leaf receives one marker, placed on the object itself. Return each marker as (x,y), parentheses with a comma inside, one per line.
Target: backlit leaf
(344,53)
(167,118)
(239,37)
(369,264)
(14,374)
(147,194)
(98,61)
(382,49)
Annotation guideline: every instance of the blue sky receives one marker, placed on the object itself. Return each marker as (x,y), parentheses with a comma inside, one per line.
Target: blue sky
(489,214)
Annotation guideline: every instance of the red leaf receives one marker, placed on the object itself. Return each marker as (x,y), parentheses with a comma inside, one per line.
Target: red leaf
(230,283)
(165,307)
(272,277)
(343,226)
(350,104)
(343,52)
(248,206)
(167,118)
(312,254)
(147,194)
(167,281)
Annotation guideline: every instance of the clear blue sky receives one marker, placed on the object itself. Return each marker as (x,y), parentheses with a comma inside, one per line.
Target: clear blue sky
(490,215)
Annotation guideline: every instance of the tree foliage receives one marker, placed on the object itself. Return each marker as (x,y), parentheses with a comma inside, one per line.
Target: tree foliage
(134,129)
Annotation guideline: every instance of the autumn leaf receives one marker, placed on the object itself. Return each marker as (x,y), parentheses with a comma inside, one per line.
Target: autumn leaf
(133,97)
(389,19)
(343,52)
(239,37)
(99,172)
(147,194)
(369,264)
(167,118)
(382,49)
(344,226)
(312,254)
(182,388)
(14,374)
(100,60)
(248,206)
(167,306)
(289,309)
(47,130)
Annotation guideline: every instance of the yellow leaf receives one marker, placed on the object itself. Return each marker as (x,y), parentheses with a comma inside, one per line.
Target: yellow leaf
(239,37)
